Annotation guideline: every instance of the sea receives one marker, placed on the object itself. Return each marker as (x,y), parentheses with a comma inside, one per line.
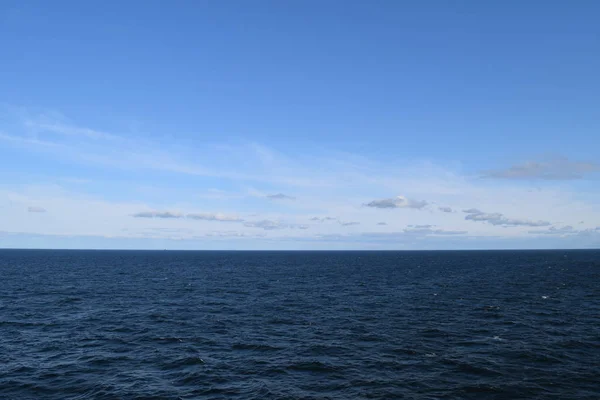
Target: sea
(299,325)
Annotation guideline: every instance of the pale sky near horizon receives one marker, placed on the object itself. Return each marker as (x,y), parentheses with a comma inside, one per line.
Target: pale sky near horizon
(299,124)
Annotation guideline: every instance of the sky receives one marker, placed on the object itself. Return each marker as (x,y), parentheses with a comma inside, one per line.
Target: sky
(377,125)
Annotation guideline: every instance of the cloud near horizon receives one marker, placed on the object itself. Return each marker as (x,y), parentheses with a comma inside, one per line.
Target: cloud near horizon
(270,225)
(565,230)
(397,202)
(431,230)
(214,217)
(194,216)
(499,219)
(329,184)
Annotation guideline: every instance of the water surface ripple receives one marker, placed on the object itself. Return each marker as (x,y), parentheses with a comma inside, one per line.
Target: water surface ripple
(299,325)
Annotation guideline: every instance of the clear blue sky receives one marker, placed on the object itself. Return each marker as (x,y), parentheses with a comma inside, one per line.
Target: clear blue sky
(123,120)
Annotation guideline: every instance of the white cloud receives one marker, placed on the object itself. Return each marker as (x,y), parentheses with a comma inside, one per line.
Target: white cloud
(157,214)
(266,224)
(214,217)
(323,219)
(474,214)
(233,234)
(397,202)
(195,216)
(431,230)
(565,231)
(329,184)
(568,229)
(271,225)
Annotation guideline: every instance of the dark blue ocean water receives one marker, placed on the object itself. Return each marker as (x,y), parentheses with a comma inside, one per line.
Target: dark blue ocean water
(299,325)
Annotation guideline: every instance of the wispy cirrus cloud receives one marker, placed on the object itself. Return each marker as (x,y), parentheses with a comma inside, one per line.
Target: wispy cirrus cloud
(397,202)
(69,130)
(95,147)
(499,219)
(29,141)
(554,169)
(243,176)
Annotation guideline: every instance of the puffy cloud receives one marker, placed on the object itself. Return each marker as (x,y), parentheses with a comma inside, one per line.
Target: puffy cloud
(499,219)
(397,202)
(36,209)
(555,169)
(280,196)
(445,209)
